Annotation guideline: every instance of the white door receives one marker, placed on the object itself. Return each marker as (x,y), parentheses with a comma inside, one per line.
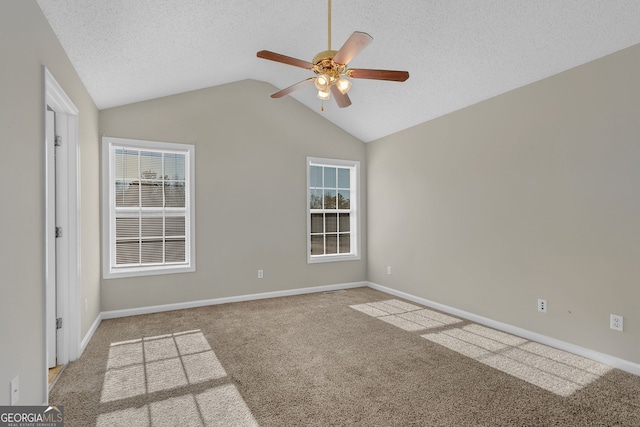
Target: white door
(57,222)
(51,248)
(61,236)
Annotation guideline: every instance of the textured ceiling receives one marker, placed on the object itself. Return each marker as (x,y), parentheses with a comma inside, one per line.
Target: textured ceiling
(458,52)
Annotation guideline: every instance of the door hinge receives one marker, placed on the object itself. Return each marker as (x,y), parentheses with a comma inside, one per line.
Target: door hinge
(59,323)
(58,232)
(57,141)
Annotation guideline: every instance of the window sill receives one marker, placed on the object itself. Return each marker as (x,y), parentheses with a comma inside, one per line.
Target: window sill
(331,258)
(148,271)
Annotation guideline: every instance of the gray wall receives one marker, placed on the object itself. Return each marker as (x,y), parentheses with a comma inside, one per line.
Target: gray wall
(532,194)
(26,44)
(251,155)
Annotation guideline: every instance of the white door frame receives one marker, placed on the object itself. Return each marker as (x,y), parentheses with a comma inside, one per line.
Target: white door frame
(68,262)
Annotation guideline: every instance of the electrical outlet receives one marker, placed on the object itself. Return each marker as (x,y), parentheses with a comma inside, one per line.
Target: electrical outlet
(542,305)
(15,390)
(616,322)
(389,269)
(260,274)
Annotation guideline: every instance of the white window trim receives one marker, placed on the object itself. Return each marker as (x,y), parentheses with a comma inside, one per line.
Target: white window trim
(355,209)
(108,223)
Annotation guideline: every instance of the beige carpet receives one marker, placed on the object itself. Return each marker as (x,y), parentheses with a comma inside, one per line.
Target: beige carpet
(355,357)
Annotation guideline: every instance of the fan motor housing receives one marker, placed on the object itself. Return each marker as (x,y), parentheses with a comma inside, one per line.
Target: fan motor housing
(324,55)
(323,64)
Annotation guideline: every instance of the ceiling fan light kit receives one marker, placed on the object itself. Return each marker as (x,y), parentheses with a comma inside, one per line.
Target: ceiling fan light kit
(330,67)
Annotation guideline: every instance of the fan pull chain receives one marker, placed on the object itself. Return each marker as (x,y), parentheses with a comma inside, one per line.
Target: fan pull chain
(329,23)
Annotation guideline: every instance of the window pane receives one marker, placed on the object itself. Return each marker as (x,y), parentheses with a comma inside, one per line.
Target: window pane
(317,245)
(151,194)
(315,201)
(332,243)
(150,165)
(344,199)
(175,226)
(127,228)
(127,252)
(315,176)
(316,223)
(344,178)
(152,251)
(126,164)
(331,223)
(174,166)
(174,194)
(329,199)
(330,177)
(175,251)
(127,194)
(152,226)
(345,243)
(345,223)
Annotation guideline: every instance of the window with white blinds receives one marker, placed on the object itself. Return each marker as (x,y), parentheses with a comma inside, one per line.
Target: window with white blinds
(148,193)
(332,210)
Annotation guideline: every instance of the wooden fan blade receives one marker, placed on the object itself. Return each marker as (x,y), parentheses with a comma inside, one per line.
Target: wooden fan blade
(288,90)
(391,75)
(341,99)
(354,44)
(272,56)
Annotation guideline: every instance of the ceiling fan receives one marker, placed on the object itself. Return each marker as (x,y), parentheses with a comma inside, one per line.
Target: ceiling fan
(330,67)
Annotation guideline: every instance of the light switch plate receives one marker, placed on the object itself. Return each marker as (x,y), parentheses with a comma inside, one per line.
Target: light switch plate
(15,390)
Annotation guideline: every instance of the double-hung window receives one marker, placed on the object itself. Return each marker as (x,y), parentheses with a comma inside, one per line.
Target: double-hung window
(148,207)
(332,210)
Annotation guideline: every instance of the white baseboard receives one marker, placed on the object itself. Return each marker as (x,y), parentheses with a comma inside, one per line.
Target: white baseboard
(89,335)
(621,364)
(201,303)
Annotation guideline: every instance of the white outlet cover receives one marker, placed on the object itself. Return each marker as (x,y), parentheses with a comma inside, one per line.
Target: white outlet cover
(617,322)
(542,305)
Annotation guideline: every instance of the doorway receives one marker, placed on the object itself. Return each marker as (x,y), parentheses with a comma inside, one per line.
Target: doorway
(52,258)
(55,257)
(62,244)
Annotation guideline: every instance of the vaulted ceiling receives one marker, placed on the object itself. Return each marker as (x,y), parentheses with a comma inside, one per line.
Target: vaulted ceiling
(458,52)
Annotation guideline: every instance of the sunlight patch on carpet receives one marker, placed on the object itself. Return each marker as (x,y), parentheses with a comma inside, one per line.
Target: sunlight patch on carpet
(551,369)
(401,323)
(164,362)
(170,362)
(125,354)
(165,375)
(202,367)
(218,406)
(224,406)
(125,418)
(406,316)
(123,383)
(175,411)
